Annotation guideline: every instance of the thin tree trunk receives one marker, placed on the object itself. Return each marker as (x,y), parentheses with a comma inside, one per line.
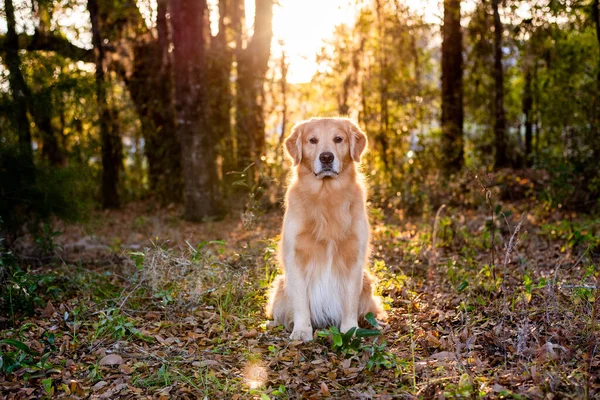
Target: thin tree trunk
(252,64)
(111,148)
(220,64)
(452,88)
(527,110)
(18,87)
(41,105)
(501,158)
(383,89)
(283,85)
(202,197)
(596,124)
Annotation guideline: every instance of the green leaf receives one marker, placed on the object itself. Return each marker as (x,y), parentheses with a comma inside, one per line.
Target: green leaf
(463,285)
(47,383)
(367,332)
(19,345)
(371,320)
(348,335)
(337,339)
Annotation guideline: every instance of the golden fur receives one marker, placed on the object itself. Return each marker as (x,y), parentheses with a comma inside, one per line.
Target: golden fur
(325,236)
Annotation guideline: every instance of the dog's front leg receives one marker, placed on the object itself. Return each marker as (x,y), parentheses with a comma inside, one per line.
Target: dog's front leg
(350,307)
(355,280)
(296,284)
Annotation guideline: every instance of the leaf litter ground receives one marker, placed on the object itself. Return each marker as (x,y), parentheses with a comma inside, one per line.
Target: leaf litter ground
(138,304)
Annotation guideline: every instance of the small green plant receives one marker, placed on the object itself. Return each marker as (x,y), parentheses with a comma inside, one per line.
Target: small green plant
(280,391)
(350,343)
(18,355)
(94,372)
(19,290)
(205,251)
(12,360)
(379,357)
(166,296)
(112,323)
(464,388)
(138,259)
(45,241)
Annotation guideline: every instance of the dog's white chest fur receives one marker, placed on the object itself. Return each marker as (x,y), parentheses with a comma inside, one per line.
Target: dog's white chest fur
(325,295)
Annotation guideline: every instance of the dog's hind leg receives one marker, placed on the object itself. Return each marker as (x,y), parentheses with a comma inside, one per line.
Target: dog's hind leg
(369,302)
(279,306)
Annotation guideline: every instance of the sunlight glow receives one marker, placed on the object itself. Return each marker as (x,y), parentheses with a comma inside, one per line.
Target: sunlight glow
(302,26)
(255,374)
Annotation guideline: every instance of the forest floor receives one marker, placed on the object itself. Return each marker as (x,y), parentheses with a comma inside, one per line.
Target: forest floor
(137,303)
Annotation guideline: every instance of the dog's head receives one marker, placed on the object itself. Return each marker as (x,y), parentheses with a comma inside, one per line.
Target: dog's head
(326,146)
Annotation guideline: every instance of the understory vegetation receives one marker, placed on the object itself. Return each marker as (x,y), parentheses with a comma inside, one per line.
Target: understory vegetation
(497,298)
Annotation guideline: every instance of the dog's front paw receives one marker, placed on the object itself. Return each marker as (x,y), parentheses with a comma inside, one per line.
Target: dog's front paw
(303,335)
(346,326)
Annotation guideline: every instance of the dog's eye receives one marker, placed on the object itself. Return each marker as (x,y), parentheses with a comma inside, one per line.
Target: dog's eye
(338,139)
(313,140)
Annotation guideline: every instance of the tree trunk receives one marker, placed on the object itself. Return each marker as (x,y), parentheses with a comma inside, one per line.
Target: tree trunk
(151,90)
(452,90)
(383,88)
(18,87)
(41,105)
(501,158)
(221,98)
(527,111)
(596,123)
(146,69)
(284,90)
(111,142)
(192,107)
(252,64)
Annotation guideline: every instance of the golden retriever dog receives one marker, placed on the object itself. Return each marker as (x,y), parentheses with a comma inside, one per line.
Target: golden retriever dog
(325,239)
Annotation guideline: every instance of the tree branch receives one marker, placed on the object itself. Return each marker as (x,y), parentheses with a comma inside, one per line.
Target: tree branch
(52,42)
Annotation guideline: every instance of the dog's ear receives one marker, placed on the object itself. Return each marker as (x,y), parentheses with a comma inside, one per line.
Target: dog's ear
(358,141)
(293,143)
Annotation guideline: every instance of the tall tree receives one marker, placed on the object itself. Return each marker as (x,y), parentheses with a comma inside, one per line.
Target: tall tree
(501,158)
(383,86)
(528,112)
(202,197)
(596,122)
(220,60)
(18,87)
(452,88)
(150,83)
(41,105)
(252,66)
(109,135)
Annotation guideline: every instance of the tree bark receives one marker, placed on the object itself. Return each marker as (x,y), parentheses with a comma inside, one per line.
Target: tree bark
(109,136)
(18,87)
(41,105)
(192,107)
(527,111)
(596,123)
(252,64)
(221,98)
(452,88)
(151,88)
(501,157)
(383,88)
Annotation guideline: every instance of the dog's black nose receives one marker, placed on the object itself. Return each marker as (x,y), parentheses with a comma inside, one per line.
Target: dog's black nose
(326,158)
